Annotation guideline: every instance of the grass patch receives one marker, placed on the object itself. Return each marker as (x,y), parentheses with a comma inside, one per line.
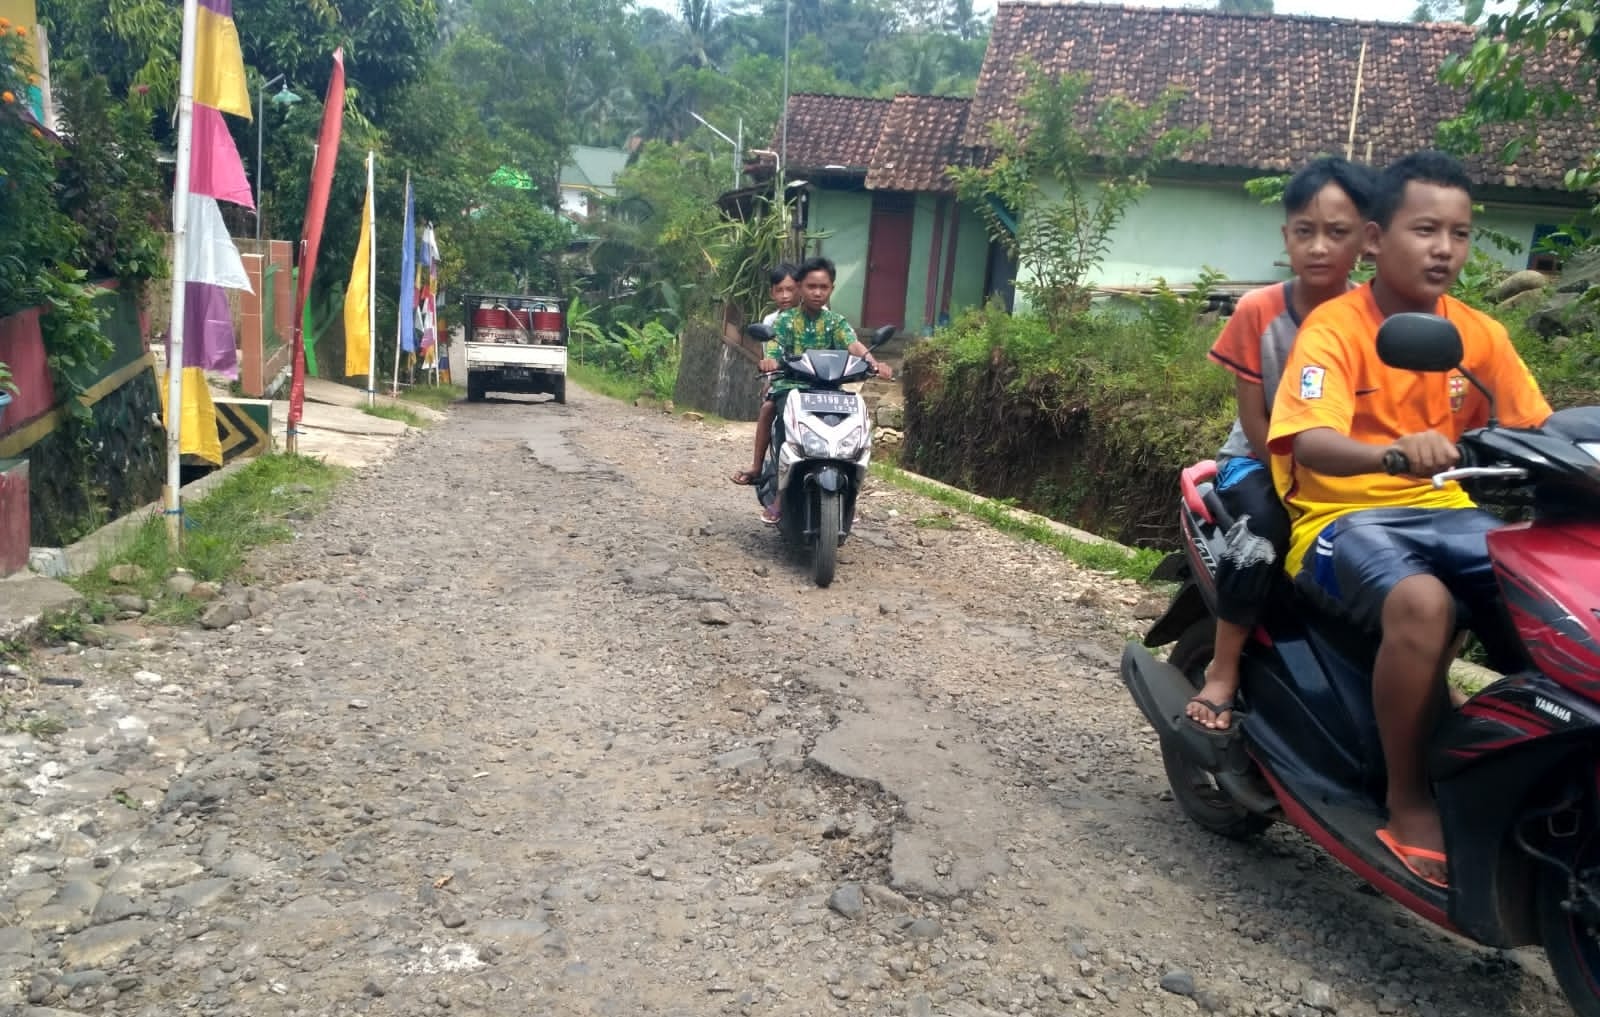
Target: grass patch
(28,722)
(392,411)
(612,384)
(1100,557)
(252,508)
(435,397)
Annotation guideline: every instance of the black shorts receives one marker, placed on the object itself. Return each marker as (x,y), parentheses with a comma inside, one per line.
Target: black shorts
(1250,563)
(1360,557)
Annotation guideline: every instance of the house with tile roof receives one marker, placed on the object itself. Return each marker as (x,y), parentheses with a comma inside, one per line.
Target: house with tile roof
(875,189)
(1274,91)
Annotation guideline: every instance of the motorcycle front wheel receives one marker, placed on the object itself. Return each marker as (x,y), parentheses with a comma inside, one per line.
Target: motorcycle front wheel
(1195,789)
(1569,926)
(825,552)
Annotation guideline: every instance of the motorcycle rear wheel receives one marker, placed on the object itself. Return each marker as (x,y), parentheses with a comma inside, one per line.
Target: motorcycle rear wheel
(1195,789)
(825,553)
(1571,941)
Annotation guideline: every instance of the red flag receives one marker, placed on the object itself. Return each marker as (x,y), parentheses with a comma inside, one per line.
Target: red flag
(311,234)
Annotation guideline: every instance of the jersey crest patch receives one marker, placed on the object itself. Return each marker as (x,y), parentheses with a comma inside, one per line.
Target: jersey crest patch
(1311,382)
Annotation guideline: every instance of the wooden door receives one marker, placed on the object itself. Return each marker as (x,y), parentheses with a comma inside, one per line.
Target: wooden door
(888,260)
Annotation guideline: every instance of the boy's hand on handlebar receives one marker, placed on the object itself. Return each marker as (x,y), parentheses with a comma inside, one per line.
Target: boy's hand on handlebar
(1427,453)
(767,365)
(885,371)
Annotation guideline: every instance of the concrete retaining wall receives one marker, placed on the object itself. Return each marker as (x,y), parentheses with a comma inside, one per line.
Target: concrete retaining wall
(717,371)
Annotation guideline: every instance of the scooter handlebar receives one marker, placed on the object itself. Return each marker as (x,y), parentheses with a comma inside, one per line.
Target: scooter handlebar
(1395,463)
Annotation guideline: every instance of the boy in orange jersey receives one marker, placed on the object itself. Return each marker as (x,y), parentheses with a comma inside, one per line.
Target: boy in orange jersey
(1392,551)
(1325,208)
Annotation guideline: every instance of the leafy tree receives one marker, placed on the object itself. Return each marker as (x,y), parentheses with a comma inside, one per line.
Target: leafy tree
(1100,163)
(1439,10)
(1245,6)
(1504,89)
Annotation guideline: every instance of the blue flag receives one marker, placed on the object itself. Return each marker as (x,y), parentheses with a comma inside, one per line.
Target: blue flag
(408,278)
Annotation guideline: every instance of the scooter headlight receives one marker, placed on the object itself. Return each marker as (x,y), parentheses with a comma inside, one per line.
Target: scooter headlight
(1592,448)
(850,445)
(814,445)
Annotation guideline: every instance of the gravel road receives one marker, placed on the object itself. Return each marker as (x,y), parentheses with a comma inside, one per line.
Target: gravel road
(538,719)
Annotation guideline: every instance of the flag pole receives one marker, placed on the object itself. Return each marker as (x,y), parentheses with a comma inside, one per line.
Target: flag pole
(372,287)
(180,244)
(399,324)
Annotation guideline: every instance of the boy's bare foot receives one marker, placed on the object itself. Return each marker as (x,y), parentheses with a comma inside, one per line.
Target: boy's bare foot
(1416,837)
(1213,707)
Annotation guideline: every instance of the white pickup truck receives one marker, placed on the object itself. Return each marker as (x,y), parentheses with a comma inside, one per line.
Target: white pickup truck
(515,344)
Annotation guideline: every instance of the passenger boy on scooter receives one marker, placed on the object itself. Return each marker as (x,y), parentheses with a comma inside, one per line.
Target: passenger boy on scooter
(1325,206)
(785,282)
(811,326)
(1391,551)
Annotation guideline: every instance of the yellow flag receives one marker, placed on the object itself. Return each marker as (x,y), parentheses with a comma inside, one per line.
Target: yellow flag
(358,300)
(199,427)
(219,80)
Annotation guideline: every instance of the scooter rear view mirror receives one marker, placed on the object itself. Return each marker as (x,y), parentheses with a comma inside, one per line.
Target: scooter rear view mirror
(1419,342)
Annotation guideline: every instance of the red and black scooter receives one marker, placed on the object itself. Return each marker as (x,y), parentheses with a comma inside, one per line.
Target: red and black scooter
(1516,770)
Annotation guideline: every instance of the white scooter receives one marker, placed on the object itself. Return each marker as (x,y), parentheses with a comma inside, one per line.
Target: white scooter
(820,450)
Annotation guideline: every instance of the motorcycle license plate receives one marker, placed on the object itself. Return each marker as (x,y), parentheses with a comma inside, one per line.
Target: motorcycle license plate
(827,402)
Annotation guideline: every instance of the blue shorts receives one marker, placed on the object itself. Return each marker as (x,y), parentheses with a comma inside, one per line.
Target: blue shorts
(1360,557)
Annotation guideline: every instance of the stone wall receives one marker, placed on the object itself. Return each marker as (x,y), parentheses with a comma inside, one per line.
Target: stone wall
(85,473)
(714,374)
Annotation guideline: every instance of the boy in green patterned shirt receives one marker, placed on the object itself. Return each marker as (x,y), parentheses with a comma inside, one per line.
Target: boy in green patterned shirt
(811,326)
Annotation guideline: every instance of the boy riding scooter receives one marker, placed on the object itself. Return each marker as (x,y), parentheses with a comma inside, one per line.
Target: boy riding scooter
(810,326)
(1392,552)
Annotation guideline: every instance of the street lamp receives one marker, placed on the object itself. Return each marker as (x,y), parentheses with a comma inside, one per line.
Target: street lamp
(738,146)
(283,98)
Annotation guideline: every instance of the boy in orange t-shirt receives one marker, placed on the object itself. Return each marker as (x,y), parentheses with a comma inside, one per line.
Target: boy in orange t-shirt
(1392,551)
(1325,205)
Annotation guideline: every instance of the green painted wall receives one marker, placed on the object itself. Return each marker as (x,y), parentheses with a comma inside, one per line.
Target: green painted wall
(922,248)
(1176,229)
(846,215)
(972,256)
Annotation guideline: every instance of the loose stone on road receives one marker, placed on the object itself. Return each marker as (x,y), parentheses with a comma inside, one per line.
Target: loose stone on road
(537,718)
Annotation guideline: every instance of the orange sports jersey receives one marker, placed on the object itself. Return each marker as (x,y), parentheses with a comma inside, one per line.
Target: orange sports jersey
(1334,379)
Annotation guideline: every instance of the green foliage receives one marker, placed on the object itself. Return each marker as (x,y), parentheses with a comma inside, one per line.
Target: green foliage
(34,231)
(633,361)
(1100,164)
(584,330)
(1170,317)
(1245,6)
(1503,90)
(1567,367)
(109,181)
(70,326)
(744,250)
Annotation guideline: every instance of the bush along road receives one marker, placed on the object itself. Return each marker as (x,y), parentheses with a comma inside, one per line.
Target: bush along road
(536,718)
